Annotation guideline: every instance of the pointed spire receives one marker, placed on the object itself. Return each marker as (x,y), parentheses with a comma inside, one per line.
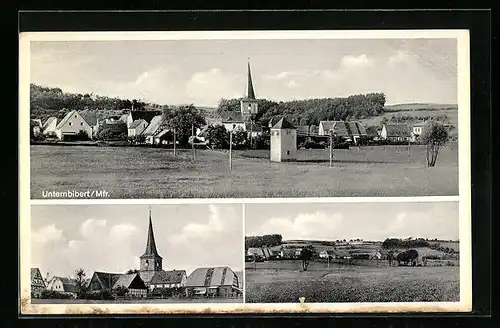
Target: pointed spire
(150,245)
(250,94)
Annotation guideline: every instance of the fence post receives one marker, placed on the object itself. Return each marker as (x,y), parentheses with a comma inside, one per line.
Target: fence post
(175,150)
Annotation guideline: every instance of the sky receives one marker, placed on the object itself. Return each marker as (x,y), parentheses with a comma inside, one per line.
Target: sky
(111,238)
(368,221)
(202,72)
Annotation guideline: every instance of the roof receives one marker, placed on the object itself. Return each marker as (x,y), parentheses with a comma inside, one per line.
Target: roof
(249,126)
(125,280)
(232,116)
(357,129)
(145,115)
(151,244)
(136,123)
(206,277)
(65,119)
(34,271)
(168,277)
(49,121)
(203,131)
(107,279)
(90,117)
(283,123)
(256,250)
(124,118)
(153,125)
(250,93)
(397,130)
(69,284)
(116,127)
(421,124)
(162,133)
(338,127)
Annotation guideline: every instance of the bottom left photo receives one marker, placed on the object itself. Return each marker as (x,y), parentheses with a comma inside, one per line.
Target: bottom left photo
(189,253)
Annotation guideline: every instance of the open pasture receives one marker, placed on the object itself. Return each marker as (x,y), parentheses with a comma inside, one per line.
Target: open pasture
(283,282)
(138,172)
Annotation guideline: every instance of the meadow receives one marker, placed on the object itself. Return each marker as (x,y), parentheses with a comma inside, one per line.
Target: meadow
(140,172)
(284,282)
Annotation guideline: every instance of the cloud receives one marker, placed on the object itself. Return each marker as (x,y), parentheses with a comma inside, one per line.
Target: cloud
(400,57)
(97,247)
(303,226)
(278,76)
(292,84)
(209,87)
(351,61)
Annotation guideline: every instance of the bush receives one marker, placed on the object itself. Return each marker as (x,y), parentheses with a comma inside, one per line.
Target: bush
(52,294)
(260,142)
(104,294)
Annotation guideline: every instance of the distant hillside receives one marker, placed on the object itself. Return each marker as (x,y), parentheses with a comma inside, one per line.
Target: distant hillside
(419,107)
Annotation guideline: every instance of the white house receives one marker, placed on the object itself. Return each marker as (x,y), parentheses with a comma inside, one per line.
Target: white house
(63,285)
(49,127)
(283,141)
(72,125)
(417,130)
(137,127)
(395,132)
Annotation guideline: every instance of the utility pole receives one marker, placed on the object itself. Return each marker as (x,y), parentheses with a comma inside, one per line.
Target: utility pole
(192,143)
(251,132)
(230,150)
(175,141)
(409,146)
(328,259)
(331,147)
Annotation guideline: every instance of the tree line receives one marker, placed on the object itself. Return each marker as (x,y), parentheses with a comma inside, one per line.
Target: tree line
(312,111)
(263,241)
(391,243)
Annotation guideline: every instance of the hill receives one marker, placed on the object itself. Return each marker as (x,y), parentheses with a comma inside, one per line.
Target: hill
(419,107)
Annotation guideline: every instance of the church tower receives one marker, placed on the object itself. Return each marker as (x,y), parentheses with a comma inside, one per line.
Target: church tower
(151,261)
(249,105)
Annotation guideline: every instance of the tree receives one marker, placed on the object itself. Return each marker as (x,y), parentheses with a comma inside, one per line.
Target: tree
(218,136)
(239,136)
(132,271)
(306,255)
(80,282)
(183,119)
(121,291)
(434,136)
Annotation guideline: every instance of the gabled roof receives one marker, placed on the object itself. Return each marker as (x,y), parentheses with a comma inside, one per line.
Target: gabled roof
(249,126)
(68,116)
(136,123)
(357,129)
(90,117)
(69,284)
(168,277)
(107,279)
(206,277)
(145,115)
(49,121)
(153,126)
(397,130)
(125,280)
(231,116)
(338,127)
(283,123)
(124,118)
(162,133)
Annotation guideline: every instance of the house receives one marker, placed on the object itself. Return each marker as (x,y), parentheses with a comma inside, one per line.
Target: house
(395,132)
(113,128)
(37,282)
(146,115)
(213,282)
(357,131)
(417,130)
(63,285)
(73,126)
(152,128)
(49,127)
(168,279)
(163,137)
(137,127)
(283,141)
(254,130)
(339,128)
(127,119)
(91,118)
(255,251)
(297,252)
(327,254)
(232,120)
(111,281)
(376,255)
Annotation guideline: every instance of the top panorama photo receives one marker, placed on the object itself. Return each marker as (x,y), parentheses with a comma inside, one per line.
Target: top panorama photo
(243,118)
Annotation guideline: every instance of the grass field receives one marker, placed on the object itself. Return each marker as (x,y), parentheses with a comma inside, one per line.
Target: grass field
(136,172)
(283,282)
(137,301)
(451,113)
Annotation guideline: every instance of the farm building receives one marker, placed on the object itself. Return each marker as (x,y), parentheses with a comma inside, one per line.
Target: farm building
(395,132)
(357,131)
(37,282)
(283,141)
(152,128)
(249,105)
(113,128)
(137,127)
(417,130)
(163,137)
(73,126)
(111,281)
(213,282)
(63,285)
(49,127)
(168,279)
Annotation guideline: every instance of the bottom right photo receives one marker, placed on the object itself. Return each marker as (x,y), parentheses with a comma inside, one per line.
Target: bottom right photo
(352,252)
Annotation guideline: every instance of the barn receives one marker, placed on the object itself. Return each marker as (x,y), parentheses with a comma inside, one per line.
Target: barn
(213,282)
(111,281)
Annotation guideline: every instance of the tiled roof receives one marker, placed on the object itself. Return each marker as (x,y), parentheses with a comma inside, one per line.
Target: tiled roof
(168,277)
(205,277)
(145,115)
(49,121)
(69,285)
(232,116)
(338,127)
(65,119)
(107,279)
(249,126)
(136,123)
(397,130)
(90,117)
(153,126)
(125,280)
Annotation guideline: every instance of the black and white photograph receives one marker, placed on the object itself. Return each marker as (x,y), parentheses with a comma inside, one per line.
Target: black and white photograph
(352,252)
(244,117)
(92,254)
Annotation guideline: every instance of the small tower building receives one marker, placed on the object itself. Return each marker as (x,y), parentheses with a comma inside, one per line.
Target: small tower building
(283,141)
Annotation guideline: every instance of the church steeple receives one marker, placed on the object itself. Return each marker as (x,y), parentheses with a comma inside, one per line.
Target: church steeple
(151,245)
(151,261)
(250,94)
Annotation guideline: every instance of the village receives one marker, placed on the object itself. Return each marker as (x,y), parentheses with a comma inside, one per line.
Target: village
(147,284)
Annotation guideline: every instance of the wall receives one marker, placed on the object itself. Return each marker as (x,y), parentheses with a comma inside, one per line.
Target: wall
(73,126)
(288,145)
(275,145)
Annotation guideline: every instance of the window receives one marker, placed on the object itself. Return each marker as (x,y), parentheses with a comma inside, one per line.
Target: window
(288,152)
(75,116)
(81,123)
(69,123)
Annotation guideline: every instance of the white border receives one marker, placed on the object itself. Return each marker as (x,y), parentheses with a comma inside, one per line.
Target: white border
(465,304)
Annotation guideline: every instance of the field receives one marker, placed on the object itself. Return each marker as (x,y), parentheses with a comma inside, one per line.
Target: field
(136,301)
(138,172)
(283,282)
(451,113)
